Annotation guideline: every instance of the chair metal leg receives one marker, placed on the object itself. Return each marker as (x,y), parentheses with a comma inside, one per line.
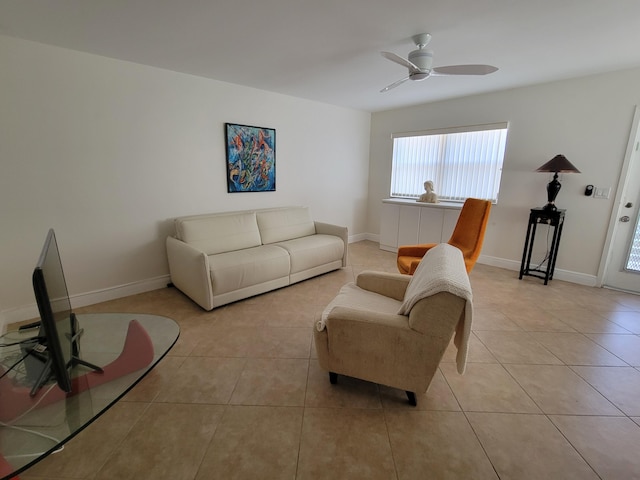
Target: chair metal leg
(412,398)
(333,378)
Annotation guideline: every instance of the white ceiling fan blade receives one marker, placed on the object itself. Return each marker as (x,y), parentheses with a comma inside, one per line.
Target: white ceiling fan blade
(394,85)
(399,60)
(464,70)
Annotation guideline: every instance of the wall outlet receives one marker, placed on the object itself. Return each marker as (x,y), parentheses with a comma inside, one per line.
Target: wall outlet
(602,192)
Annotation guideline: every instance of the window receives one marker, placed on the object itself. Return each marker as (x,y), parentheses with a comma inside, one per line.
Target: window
(462,162)
(633,262)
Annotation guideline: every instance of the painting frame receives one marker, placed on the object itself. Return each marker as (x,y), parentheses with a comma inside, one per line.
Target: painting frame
(251,158)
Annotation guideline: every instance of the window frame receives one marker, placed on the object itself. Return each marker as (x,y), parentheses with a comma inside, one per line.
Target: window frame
(442,165)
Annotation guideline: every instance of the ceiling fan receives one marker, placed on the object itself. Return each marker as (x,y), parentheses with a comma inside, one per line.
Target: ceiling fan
(419,64)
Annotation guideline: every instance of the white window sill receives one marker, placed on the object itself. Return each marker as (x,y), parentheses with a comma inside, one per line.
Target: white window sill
(408,201)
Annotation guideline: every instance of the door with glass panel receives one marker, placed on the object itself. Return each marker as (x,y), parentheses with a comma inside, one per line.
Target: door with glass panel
(623,266)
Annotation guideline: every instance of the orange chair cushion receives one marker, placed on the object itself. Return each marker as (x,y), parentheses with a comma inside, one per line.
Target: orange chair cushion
(409,256)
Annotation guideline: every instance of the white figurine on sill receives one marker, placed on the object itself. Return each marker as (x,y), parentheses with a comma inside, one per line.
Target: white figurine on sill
(429,196)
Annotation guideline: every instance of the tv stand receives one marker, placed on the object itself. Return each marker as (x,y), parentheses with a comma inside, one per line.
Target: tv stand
(46,372)
(75,345)
(47,369)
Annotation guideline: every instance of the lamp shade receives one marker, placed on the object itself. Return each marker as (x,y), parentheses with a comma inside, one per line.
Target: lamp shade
(558,164)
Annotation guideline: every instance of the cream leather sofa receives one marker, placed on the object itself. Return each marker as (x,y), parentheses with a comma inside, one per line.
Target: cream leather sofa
(393,329)
(220,258)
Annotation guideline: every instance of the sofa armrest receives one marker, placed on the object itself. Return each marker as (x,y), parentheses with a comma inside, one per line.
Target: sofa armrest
(391,285)
(338,231)
(189,269)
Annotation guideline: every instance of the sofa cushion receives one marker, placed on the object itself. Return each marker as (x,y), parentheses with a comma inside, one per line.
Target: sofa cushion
(219,233)
(243,268)
(282,224)
(312,251)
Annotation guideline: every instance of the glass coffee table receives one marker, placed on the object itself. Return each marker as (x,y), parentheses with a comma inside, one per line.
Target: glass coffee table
(126,345)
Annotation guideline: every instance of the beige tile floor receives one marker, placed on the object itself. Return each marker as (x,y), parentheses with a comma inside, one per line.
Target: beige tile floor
(552,391)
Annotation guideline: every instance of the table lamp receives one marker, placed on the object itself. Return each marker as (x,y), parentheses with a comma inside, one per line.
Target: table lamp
(558,164)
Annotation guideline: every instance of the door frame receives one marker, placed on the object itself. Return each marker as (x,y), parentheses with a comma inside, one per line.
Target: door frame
(616,211)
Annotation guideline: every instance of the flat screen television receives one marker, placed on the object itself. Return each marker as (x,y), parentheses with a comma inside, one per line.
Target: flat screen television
(59,333)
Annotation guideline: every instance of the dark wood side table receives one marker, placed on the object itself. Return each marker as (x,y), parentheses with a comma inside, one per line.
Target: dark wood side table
(555,220)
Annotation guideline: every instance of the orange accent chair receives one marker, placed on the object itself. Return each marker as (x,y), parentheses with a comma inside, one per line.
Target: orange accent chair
(467,236)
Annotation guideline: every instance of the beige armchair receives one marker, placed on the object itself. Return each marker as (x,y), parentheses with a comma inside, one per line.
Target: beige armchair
(393,329)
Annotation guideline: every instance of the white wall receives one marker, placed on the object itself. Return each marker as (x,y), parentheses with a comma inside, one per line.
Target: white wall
(588,120)
(106,152)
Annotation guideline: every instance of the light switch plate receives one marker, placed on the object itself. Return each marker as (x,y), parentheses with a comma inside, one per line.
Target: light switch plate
(602,192)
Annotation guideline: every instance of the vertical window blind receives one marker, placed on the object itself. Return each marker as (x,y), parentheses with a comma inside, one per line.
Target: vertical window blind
(462,162)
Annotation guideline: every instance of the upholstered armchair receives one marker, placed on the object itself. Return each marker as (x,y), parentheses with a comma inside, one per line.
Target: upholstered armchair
(393,329)
(468,236)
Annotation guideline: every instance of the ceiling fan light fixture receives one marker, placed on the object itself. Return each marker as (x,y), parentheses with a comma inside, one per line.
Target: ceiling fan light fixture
(417,76)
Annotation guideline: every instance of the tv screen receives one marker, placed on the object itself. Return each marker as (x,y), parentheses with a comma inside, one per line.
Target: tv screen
(56,349)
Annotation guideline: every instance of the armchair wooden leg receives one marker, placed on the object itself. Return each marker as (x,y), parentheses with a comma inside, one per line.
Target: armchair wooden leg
(333,378)
(412,398)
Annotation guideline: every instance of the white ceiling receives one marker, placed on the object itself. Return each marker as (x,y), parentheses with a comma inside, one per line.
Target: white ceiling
(329,50)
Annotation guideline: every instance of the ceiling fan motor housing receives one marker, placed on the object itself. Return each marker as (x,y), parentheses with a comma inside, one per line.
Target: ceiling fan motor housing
(423,59)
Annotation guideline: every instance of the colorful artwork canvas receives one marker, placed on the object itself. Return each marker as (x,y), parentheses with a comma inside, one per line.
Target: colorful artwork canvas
(251,158)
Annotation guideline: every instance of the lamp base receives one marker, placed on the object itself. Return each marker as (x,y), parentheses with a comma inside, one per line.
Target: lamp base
(553,187)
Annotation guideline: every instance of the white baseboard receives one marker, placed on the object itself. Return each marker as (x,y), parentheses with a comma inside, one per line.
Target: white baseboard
(28,312)
(111,293)
(364,236)
(359,237)
(558,274)
(499,262)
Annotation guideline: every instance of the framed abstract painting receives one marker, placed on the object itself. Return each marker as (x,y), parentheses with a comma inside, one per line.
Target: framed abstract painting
(251,158)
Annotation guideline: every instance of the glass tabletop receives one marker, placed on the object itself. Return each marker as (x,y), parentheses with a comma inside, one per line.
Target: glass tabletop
(126,345)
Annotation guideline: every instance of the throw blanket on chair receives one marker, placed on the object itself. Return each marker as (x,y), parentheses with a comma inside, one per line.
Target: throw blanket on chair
(442,269)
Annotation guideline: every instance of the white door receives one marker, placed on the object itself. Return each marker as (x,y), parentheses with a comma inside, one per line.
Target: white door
(623,265)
